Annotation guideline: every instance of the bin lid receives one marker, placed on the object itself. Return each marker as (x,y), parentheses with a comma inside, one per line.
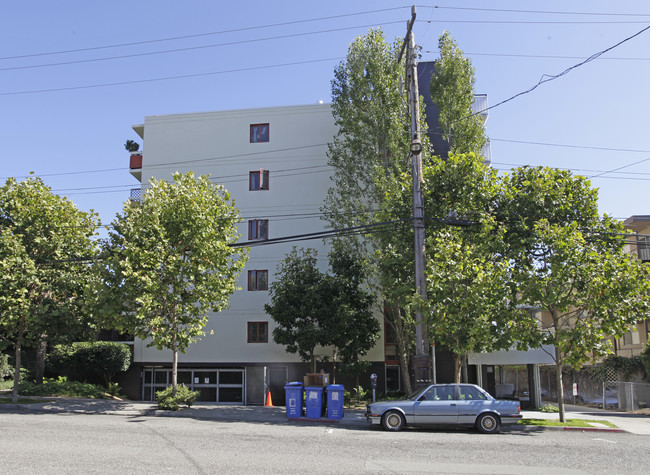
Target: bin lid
(293,384)
(313,388)
(335,387)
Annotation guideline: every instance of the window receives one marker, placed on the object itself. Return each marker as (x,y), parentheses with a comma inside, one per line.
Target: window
(258,229)
(470,393)
(258,180)
(258,332)
(258,280)
(259,133)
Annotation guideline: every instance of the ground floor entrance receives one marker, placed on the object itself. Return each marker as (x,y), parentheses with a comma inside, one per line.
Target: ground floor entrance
(226,386)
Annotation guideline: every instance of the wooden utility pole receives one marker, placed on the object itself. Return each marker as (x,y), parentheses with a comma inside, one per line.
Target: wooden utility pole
(421,362)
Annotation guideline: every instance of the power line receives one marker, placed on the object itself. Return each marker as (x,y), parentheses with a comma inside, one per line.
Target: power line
(167,78)
(547,78)
(199,35)
(193,48)
(610,149)
(545,12)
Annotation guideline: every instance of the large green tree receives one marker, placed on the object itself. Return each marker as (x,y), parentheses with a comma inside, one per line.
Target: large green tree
(300,301)
(368,156)
(452,90)
(168,262)
(571,264)
(45,242)
(354,328)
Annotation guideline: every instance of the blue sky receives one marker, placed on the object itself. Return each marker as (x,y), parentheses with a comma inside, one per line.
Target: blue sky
(68,122)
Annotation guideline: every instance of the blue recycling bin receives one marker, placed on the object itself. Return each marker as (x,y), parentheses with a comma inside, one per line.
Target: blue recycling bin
(293,396)
(313,402)
(335,401)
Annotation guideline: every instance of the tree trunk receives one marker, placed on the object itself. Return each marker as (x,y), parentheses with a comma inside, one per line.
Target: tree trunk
(312,357)
(559,383)
(334,366)
(458,367)
(395,319)
(19,343)
(464,365)
(41,352)
(174,365)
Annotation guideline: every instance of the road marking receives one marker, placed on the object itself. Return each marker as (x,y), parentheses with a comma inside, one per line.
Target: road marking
(606,440)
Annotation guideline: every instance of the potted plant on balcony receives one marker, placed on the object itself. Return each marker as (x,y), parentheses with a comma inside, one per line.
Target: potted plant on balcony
(136,158)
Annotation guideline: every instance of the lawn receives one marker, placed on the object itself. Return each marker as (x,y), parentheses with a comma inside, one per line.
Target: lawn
(584,423)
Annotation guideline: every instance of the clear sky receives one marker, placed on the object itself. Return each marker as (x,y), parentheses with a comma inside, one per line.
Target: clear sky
(76,75)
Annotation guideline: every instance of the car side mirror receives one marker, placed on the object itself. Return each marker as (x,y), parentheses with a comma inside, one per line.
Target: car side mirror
(422,398)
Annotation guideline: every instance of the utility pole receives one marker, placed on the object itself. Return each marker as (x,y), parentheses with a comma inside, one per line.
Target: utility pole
(421,361)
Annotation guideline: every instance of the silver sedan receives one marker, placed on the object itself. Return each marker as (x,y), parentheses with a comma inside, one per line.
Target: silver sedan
(445,404)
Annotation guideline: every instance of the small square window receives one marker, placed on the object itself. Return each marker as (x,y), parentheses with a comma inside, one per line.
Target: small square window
(258,180)
(258,280)
(258,332)
(259,133)
(258,229)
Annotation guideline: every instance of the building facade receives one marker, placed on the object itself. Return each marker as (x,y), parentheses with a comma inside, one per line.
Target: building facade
(273,163)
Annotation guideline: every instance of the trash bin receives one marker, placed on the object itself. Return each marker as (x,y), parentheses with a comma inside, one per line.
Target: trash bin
(335,401)
(314,402)
(293,393)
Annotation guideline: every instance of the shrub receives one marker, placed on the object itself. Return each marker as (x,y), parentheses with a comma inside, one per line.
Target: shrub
(549,408)
(184,396)
(61,387)
(6,370)
(90,360)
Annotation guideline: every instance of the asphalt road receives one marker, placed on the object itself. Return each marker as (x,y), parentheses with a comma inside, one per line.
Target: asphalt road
(93,443)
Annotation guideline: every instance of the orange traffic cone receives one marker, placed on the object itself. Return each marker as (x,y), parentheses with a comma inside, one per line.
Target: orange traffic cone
(269,400)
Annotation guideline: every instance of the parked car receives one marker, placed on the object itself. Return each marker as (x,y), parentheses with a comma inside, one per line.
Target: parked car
(445,404)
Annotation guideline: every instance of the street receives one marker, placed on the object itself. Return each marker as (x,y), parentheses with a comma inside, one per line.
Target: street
(91,443)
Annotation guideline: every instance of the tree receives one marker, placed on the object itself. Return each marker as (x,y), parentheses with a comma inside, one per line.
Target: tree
(44,243)
(353,329)
(452,90)
(570,263)
(368,156)
(169,261)
(299,303)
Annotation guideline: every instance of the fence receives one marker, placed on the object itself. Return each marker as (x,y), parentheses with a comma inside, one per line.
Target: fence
(627,396)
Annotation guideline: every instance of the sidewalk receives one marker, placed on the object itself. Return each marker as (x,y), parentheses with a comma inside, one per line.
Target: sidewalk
(633,423)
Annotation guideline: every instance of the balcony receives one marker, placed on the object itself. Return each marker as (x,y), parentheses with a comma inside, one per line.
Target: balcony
(135,165)
(136,195)
(480,104)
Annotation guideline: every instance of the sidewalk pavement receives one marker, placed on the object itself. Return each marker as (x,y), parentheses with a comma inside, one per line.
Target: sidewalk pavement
(633,423)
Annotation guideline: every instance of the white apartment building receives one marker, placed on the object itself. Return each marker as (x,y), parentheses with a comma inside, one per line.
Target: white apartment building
(273,163)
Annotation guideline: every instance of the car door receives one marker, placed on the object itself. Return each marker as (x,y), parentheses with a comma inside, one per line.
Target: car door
(471,401)
(437,405)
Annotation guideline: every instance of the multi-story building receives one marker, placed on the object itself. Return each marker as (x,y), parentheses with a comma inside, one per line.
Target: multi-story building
(633,342)
(273,163)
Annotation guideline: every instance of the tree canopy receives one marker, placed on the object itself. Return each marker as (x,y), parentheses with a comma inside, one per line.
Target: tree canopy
(168,262)
(45,243)
(452,90)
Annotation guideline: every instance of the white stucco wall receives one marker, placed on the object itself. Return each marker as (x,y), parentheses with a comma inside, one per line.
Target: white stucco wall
(218,144)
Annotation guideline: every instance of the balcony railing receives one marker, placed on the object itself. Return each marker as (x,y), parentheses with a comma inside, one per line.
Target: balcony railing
(136,194)
(644,254)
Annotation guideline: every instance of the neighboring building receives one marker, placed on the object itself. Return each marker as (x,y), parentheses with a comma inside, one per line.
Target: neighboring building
(633,342)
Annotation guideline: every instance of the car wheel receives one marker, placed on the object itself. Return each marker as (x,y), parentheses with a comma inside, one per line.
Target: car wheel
(393,420)
(488,423)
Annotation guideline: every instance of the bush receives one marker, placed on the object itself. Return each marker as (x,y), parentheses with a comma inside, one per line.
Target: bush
(61,387)
(6,370)
(184,396)
(550,408)
(90,361)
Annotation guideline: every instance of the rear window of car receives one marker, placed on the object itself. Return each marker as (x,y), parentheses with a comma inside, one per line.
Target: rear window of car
(471,393)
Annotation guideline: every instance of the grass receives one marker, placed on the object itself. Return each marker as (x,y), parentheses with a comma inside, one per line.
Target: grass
(21,400)
(584,423)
